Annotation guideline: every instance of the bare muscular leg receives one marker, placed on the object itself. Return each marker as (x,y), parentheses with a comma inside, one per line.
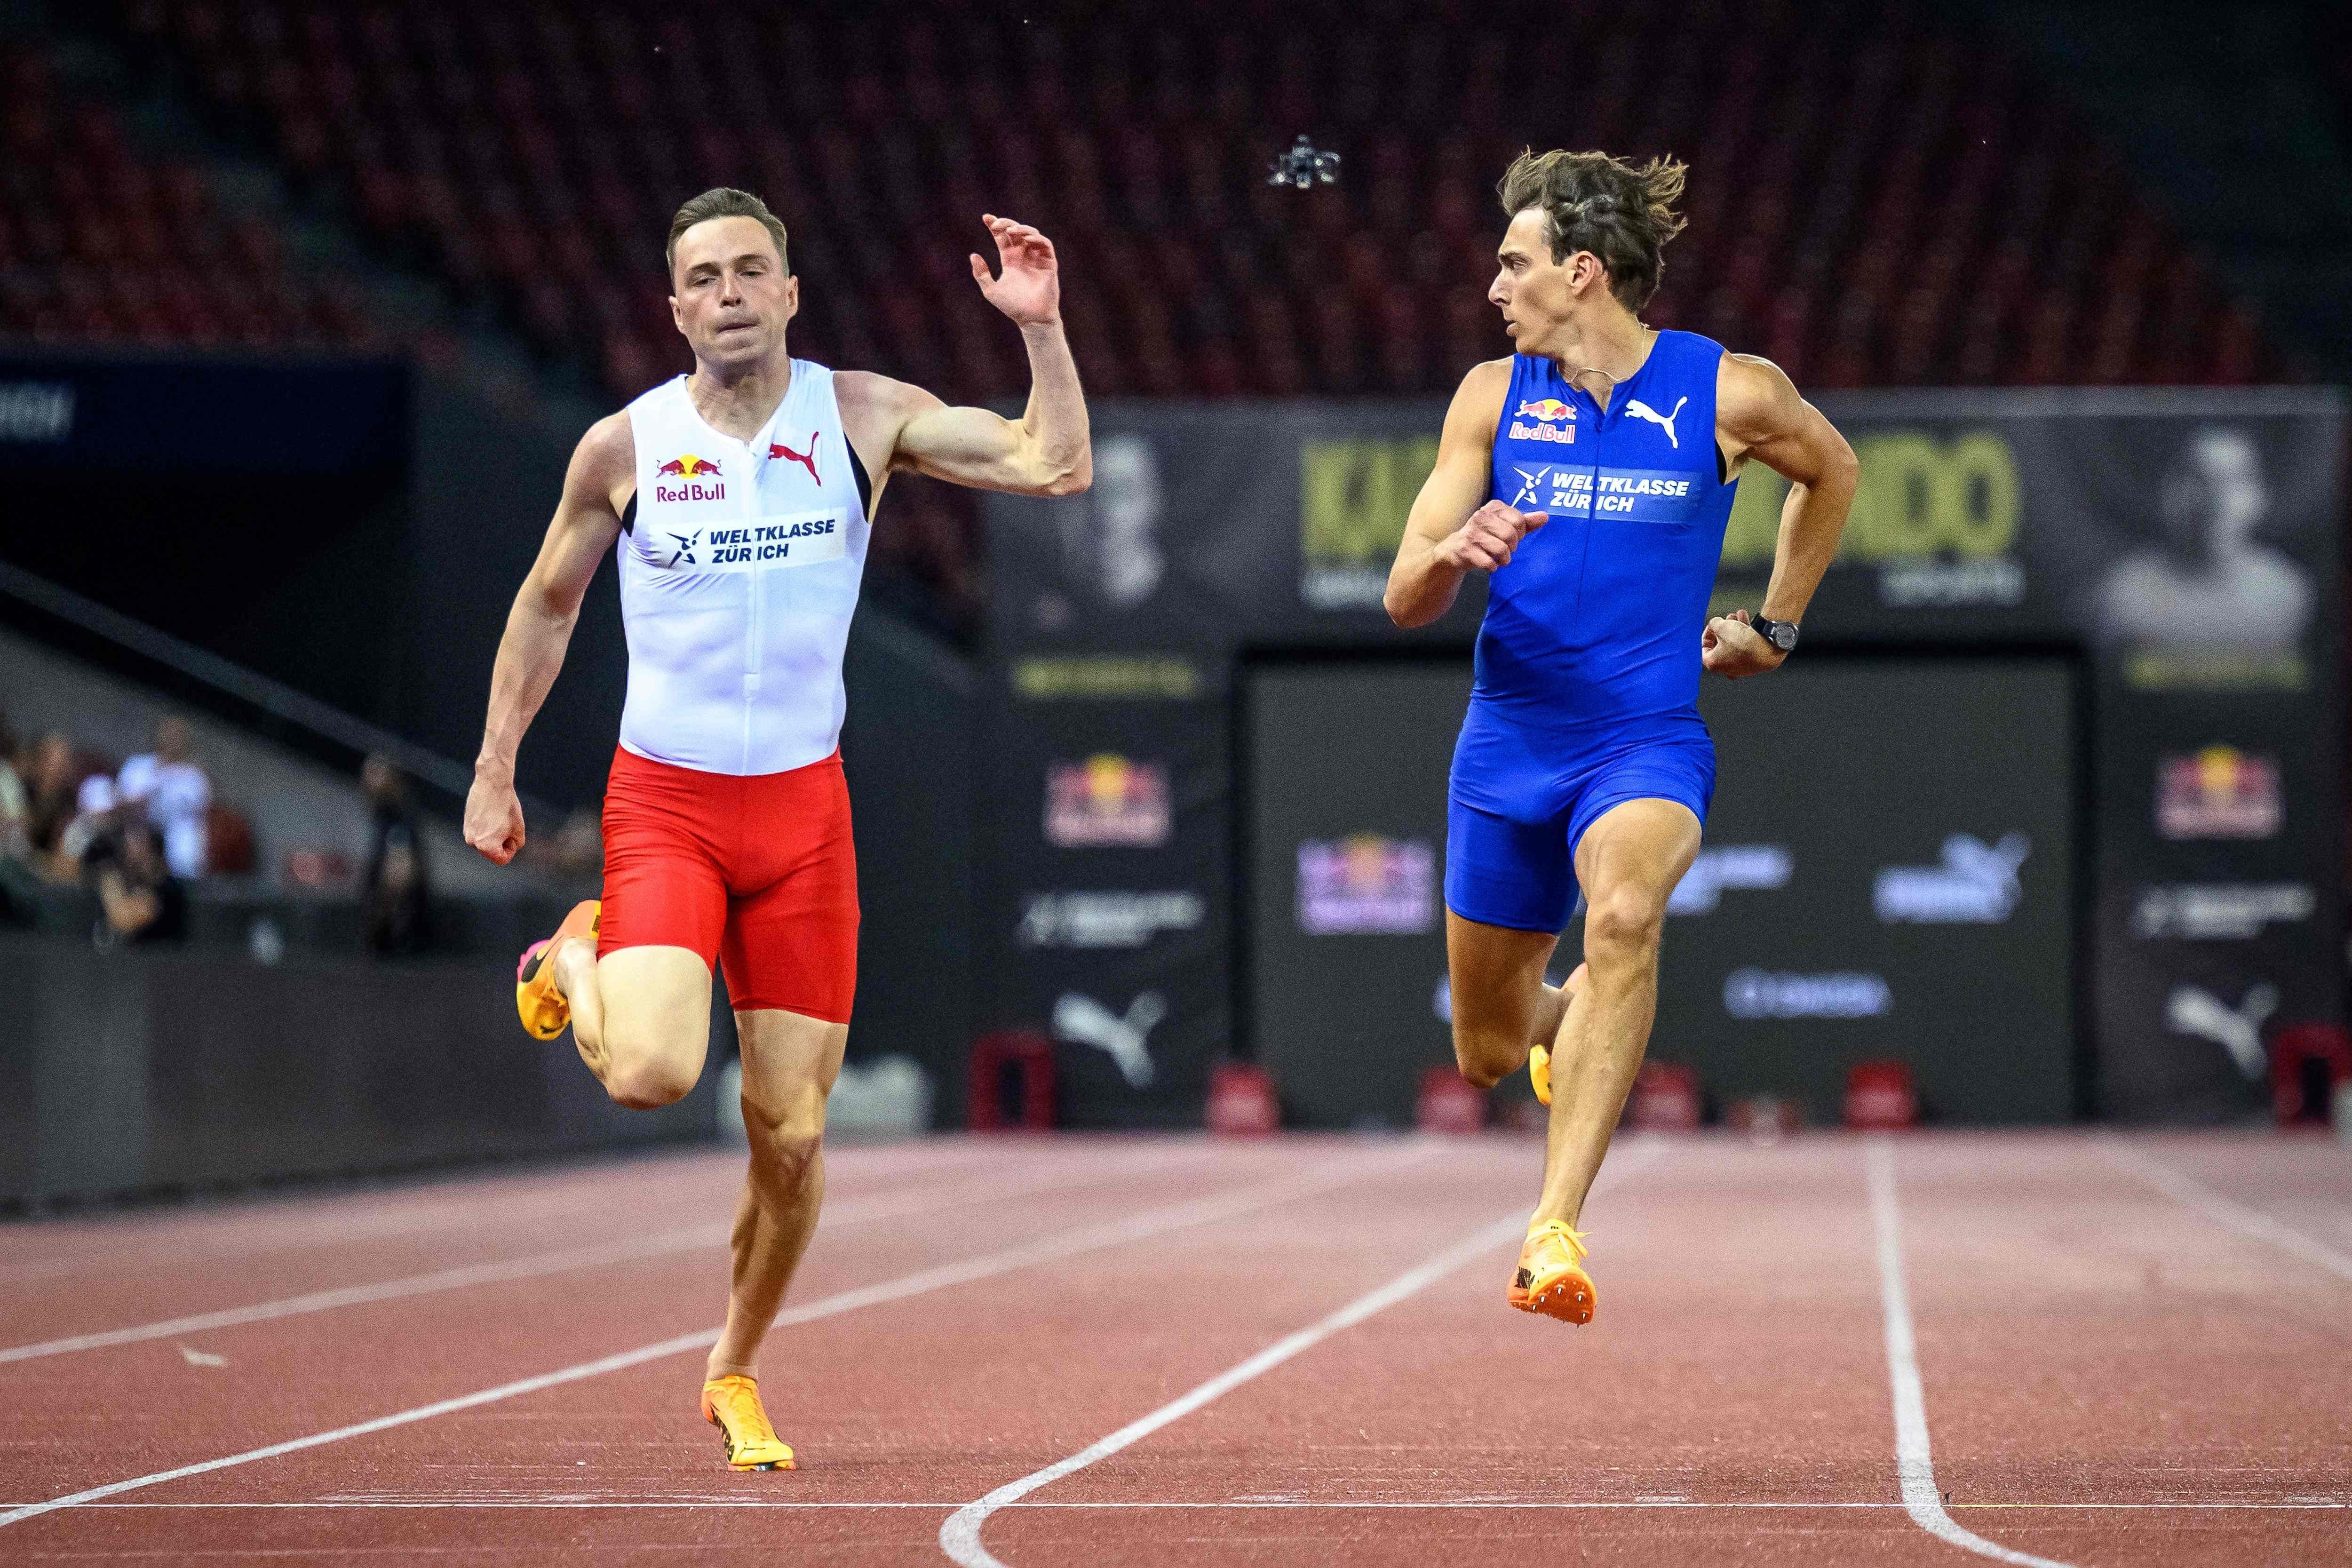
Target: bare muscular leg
(790,1063)
(640,1018)
(1628,863)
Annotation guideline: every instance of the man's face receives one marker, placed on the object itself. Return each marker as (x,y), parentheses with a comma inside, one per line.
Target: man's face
(730,294)
(1534,293)
(2212,496)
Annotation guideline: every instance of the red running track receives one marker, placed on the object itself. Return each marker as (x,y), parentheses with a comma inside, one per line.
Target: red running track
(2120,1350)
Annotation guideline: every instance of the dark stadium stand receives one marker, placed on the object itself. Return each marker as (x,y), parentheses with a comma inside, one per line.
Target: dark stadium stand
(99,244)
(1922,215)
(1877,198)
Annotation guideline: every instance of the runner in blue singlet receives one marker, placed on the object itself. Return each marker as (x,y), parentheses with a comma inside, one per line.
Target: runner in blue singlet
(1591,475)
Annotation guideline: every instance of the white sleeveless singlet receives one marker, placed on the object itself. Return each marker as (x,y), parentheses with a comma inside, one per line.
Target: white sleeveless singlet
(738,576)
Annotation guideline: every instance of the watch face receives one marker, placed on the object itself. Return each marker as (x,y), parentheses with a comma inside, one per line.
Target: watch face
(1783,636)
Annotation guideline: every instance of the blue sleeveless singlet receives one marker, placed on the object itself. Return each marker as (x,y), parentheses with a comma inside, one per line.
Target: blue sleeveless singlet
(1588,660)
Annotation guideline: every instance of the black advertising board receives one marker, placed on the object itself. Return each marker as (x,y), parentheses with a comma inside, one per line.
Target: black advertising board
(1889,873)
(2017,516)
(1345,871)
(1106,912)
(2179,543)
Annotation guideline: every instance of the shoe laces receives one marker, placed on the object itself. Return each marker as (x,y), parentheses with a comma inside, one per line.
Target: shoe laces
(1558,1228)
(738,1398)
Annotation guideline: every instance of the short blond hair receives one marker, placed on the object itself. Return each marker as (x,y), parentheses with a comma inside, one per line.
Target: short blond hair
(724,201)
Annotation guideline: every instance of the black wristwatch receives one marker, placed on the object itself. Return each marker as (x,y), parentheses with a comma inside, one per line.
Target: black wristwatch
(1781,635)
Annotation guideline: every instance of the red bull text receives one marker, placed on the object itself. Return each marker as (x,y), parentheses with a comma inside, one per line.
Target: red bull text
(1549,414)
(693,470)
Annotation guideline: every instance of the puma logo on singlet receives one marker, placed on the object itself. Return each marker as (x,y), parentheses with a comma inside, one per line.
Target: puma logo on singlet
(1641,410)
(805,460)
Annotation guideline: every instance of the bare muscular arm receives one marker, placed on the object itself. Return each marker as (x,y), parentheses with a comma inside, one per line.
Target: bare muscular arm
(1758,414)
(1046,452)
(1448,533)
(539,627)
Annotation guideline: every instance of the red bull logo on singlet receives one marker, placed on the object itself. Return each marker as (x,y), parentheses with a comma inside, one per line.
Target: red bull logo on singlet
(693,472)
(1552,421)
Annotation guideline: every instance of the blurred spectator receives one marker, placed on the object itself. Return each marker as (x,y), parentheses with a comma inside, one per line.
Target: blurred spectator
(16,832)
(176,793)
(395,893)
(141,901)
(15,805)
(97,817)
(50,802)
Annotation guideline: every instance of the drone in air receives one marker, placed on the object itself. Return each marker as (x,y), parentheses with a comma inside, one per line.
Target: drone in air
(1302,166)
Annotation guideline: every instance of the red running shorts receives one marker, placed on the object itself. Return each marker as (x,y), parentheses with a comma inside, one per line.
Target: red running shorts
(756,874)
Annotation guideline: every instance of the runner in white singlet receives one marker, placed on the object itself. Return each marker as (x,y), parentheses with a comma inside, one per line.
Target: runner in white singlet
(739,499)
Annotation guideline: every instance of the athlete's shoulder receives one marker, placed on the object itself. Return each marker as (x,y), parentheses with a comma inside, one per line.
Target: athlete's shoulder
(1750,390)
(1477,406)
(1493,375)
(867,391)
(609,447)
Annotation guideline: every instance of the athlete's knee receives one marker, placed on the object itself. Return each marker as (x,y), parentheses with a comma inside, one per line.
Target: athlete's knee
(787,1137)
(644,1076)
(1485,1055)
(1625,924)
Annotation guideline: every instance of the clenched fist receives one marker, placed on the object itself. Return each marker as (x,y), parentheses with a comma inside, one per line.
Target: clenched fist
(1487,540)
(494,819)
(1728,646)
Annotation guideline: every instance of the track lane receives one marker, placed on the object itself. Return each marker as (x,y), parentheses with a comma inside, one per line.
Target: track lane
(1727,1438)
(1041,1233)
(2087,1340)
(131,1272)
(885,1405)
(298,1376)
(1736,1360)
(895,1204)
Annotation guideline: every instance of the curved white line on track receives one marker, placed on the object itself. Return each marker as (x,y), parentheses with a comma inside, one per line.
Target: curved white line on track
(1913,1463)
(1047,1249)
(692,1239)
(959,1535)
(2227,1212)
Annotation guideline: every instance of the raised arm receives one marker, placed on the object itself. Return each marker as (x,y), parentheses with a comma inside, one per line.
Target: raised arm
(1449,533)
(1047,451)
(539,627)
(1761,416)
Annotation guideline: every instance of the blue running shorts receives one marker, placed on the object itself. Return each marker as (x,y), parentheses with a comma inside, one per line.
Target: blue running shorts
(1518,870)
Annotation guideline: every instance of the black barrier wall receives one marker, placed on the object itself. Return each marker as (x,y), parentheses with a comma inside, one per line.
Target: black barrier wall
(2182,540)
(126,1072)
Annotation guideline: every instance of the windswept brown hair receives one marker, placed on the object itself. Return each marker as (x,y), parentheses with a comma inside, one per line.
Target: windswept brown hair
(1621,212)
(724,201)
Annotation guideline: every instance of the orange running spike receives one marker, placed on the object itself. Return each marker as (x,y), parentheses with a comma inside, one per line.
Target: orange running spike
(1551,1280)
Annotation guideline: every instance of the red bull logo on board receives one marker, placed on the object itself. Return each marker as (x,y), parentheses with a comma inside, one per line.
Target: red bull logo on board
(2218,793)
(1549,414)
(693,472)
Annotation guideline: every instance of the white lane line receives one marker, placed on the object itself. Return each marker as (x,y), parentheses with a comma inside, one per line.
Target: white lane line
(691,1239)
(965,1271)
(959,1535)
(1913,1462)
(1351,1507)
(2227,1212)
